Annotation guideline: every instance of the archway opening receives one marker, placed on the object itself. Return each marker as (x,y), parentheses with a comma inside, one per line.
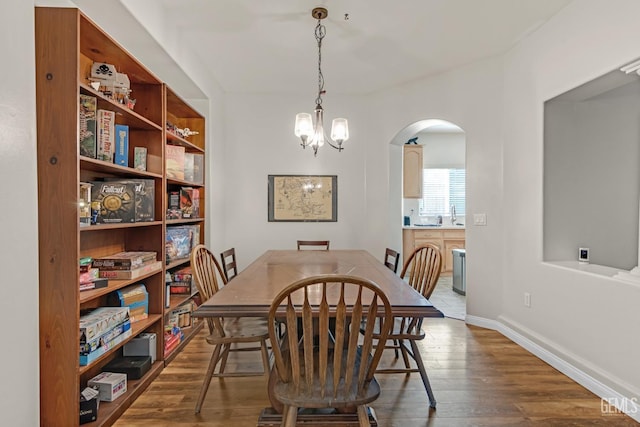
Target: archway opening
(428,200)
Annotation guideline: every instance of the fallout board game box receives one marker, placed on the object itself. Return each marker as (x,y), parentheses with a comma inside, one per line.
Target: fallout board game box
(144,190)
(117,201)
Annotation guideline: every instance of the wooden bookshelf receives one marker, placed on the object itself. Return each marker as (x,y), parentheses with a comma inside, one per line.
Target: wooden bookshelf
(67,44)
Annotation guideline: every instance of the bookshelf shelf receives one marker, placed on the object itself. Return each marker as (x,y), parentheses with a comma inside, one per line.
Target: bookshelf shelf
(179,182)
(102,227)
(67,43)
(184,221)
(95,165)
(136,328)
(113,285)
(178,140)
(177,263)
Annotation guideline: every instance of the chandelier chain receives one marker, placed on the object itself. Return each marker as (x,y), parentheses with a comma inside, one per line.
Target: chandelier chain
(320,33)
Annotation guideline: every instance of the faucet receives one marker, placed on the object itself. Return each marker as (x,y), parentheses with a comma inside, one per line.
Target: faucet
(453,214)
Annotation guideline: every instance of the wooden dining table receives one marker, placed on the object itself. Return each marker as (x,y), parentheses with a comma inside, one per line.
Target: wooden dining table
(251,292)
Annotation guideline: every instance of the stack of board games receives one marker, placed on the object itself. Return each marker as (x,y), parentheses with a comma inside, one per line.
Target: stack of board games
(182,282)
(172,339)
(127,265)
(89,276)
(136,298)
(100,330)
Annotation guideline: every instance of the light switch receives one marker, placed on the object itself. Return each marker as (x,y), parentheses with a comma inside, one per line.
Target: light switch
(480,219)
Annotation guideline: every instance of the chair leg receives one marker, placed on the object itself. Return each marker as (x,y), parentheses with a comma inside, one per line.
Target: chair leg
(289,416)
(396,345)
(423,373)
(265,357)
(207,378)
(363,416)
(405,356)
(225,353)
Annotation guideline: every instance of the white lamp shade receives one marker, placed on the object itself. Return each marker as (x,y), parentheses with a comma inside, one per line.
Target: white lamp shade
(339,130)
(304,124)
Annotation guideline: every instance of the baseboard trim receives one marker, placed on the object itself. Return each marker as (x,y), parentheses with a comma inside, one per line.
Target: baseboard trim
(610,397)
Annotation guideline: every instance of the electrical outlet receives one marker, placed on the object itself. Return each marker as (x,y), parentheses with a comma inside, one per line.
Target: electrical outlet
(480,219)
(527,299)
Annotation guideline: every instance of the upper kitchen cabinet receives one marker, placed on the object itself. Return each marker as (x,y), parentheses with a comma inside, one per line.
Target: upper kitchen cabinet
(412,172)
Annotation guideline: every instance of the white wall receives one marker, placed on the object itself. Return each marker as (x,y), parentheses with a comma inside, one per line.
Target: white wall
(443,149)
(587,320)
(470,98)
(19,303)
(259,141)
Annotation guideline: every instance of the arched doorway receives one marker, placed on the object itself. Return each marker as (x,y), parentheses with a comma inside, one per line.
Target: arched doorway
(439,206)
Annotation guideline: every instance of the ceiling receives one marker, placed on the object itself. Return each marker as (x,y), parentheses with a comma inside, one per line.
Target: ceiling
(269,46)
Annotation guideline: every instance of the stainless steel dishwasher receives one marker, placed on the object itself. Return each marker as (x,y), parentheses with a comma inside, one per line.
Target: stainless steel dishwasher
(459,271)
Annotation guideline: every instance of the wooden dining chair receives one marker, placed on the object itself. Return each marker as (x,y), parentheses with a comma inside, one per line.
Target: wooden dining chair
(321,363)
(225,333)
(421,271)
(229,266)
(313,244)
(391,259)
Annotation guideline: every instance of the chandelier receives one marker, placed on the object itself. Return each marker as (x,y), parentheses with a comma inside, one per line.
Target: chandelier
(312,134)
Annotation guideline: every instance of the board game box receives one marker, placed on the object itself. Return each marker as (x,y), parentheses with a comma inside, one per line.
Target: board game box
(88,110)
(124,260)
(175,162)
(106,135)
(122,145)
(117,201)
(140,158)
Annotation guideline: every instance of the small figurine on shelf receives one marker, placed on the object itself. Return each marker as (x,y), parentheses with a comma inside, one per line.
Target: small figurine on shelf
(183,133)
(112,84)
(186,132)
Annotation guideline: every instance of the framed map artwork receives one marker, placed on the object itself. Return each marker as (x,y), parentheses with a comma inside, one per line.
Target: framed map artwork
(303,198)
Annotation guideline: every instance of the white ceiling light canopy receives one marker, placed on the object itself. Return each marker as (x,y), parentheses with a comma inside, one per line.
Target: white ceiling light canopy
(312,134)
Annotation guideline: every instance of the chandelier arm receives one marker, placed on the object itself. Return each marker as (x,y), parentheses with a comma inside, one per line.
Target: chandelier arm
(337,147)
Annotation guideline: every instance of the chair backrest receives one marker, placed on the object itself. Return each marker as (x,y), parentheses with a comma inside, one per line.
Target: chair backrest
(423,269)
(313,340)
(391,259)
(228,259)
(206,269)
(314,244)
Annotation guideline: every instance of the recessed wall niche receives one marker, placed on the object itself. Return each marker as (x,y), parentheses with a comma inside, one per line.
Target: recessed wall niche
(592,171)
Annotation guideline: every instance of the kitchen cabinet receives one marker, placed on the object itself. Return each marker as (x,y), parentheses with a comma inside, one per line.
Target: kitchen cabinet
(412,172)
(445,239)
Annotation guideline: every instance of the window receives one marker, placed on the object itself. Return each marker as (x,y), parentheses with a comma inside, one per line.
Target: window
(442,188)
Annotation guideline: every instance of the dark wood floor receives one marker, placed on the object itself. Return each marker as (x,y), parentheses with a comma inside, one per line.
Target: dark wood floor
(479,377)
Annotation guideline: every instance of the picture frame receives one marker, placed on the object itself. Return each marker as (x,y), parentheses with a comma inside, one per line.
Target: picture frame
(302,198)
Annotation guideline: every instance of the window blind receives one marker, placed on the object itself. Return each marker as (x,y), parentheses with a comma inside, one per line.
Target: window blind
(442,188)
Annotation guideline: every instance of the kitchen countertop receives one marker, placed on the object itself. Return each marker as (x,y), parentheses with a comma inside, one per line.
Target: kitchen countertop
(440,227)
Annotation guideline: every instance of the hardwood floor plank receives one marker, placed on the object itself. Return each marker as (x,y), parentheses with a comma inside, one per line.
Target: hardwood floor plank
(479,377)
